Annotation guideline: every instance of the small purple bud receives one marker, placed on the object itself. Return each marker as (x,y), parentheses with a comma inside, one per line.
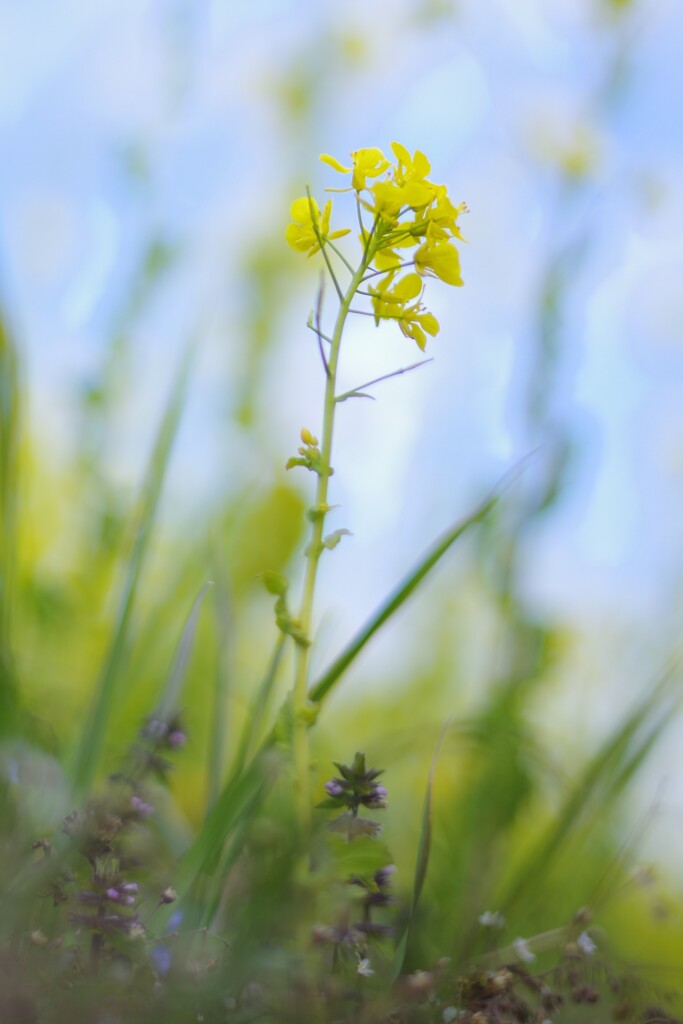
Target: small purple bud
(333,788)
(129,887)
(144,809)
(176,739)
(383,876)
(379,792)
(113,894)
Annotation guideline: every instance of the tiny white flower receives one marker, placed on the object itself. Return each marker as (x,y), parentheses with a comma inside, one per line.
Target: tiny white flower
(492,919)
(586,944)
(521,948)
(364,968)
(449,1014)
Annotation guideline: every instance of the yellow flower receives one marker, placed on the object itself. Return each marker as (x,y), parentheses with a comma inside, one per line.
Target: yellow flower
(395,304)
(367,163)
(407,169)
(308,227)
(439,259)
(443,216)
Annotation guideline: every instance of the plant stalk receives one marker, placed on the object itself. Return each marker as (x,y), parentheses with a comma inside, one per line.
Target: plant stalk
(314,551)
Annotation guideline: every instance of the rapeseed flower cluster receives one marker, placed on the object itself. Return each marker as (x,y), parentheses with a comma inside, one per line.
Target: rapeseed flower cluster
(413,225)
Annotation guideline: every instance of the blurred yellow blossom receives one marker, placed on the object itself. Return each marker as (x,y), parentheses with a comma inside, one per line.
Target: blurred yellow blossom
(308,227)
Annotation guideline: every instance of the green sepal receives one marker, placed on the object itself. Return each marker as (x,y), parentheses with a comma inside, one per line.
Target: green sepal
(330,542)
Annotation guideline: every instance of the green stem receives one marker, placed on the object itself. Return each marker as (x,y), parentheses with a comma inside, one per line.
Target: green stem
(315,549)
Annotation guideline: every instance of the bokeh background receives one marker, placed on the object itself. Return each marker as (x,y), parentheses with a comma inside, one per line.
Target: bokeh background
(150,154)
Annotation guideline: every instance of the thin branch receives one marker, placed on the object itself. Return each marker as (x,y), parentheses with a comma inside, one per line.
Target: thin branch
(318,311)
(321,243)
(360,217)
(321,334)
(376,273)
(341,256)
(357,392)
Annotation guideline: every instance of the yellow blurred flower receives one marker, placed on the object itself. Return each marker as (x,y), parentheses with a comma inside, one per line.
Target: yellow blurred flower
(395,303)
(439,259)
(309,228)
(367,163)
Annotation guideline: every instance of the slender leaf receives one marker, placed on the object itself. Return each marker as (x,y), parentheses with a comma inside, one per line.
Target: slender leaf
(223,619)
(602,780)
(170,697)
(423,852)
(259,709)
(91,742)
(397,598)
(234,806)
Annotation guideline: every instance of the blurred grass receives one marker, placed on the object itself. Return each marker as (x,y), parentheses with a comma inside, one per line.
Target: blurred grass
(89,748)
(10,402)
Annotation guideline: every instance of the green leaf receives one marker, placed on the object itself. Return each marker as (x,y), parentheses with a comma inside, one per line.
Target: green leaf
(235,805)
(361,857)
(170,696)
(397,598)
(602,781)
(423,853)
(254,722)
(89,748)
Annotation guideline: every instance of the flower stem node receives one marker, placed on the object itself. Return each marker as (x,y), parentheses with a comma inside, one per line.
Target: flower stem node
(316,512)
(308,455)
(309,714)
(278,585)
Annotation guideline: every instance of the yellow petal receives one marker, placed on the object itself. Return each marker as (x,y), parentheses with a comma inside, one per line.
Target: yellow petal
(300,210)
(387,260)
(441,259)
(409,287)
(430,323)
(421,164)
(401,153)
(298,237)
(327,159)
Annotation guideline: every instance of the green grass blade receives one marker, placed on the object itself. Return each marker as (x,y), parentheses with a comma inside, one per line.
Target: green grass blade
(602,781)
(397,598)
(170,697)
(197,868)
(423,852)
(90,745)
(215,764)
(256,719)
